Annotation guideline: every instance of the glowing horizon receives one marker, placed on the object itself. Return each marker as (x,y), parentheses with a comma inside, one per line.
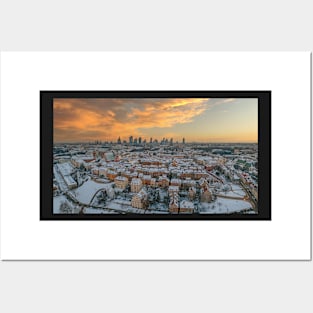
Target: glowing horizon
(214,120)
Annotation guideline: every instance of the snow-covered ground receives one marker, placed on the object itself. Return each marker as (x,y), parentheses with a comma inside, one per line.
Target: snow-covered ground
(98,211)
(232,190)
(237,189)
(159,207)
(59,179)
(58,200)
(125,206)
(56,204)
(224,206)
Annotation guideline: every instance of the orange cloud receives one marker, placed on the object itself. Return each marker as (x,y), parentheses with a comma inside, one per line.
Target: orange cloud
(90,119)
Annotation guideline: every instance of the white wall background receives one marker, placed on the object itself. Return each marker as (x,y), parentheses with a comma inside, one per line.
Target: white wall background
(151,286)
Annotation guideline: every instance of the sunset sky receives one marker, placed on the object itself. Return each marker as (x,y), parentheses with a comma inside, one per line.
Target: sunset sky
(198,120)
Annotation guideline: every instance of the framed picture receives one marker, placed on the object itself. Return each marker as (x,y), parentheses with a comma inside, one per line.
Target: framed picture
(69,121)
(155,155)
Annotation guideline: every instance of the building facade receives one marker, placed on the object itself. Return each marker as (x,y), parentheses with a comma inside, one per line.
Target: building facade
(121,182)
(140,200)
(136,185)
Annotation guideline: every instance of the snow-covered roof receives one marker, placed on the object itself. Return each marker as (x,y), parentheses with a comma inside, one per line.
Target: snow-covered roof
(65,168)
(142,194)
(85,192)
(111,172)
(121,178)
(173,188)
(136,181)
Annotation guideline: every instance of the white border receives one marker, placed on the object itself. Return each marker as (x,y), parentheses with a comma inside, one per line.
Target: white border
(24,74)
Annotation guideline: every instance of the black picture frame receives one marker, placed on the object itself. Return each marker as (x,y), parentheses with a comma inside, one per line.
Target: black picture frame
(264,153)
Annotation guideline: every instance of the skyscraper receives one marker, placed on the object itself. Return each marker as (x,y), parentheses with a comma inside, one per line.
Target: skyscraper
(131,140)
(183,140)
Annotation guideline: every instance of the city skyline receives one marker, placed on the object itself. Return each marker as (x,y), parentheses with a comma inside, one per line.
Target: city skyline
(215,120)
(147,141)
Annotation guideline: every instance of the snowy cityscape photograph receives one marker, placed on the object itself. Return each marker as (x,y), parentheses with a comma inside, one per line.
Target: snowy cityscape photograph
(155,156)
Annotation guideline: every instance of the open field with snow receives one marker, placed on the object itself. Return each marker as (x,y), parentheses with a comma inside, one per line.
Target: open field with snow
(224,206)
